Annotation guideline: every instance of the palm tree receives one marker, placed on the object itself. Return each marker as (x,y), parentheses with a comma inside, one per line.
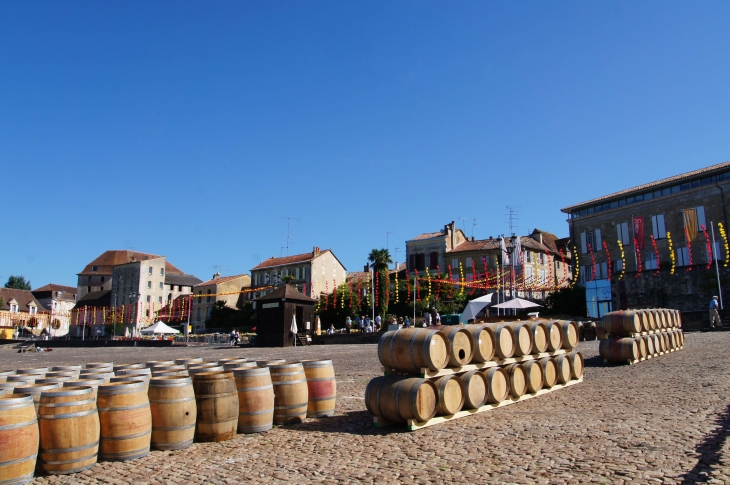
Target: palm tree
(380,259)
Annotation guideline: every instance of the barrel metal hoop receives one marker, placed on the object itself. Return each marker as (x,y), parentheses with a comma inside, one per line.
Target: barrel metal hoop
(131,388)
(18,460)
(66,462)
(410,348)
(127,437)
(256,413)
(67,415)
(158,384)
(397,397)
(21,404)
(286,383)
(320,379)
(65,404)
(213,396)
(69,450)
(259,388)
(169,401)
(18,425)
(126,456)
(286,373)
(176,428)
(125,408)
(390,345)
(18,480)
(295,406)
(319,363)
(322,398)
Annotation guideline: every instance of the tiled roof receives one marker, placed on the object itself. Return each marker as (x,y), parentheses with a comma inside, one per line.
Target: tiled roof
(181,279)
(639,188)
(286,291)
(54,287)
(23,297)
(428,235)
(95,299)
(297,258)
(493,244)
(108,259)
(220,279)
(548,239)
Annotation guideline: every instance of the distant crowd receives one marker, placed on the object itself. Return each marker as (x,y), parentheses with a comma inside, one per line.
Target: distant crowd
(365,325)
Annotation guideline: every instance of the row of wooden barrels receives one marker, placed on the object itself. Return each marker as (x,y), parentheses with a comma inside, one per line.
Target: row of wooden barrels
(399,398)
(620,350)
(625,323)
(120,412)
(412,349)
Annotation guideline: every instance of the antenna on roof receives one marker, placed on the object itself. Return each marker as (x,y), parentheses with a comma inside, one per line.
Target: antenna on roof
(463,228)
(387,239)
(512,216)
(288,232)
(396,258)
(474,223)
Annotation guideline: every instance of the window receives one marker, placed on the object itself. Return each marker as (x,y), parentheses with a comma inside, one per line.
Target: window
(94,268)
(150,268)
(682,257)
(542,275)
(200,313)
(592,238)
(102,279)
(160,284)
(618,265)
(650,261)
(162,271)
(527,256)
(622,232)
(657,225)
(159,299)
(455,263)
(469,262)
(149,284)
(199,298)
(716,252)
(13,308)
(32,310)
(207,313)
(267,277)
(207,298)
(256,279)
(88,289)
(149,298)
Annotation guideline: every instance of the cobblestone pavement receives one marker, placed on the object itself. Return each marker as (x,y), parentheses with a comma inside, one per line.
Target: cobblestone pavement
(660,421)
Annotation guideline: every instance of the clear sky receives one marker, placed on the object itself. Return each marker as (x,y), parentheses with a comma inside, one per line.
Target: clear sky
(191,129)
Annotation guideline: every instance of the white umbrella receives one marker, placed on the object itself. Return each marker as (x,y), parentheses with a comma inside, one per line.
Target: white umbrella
(294,328)
(159,328)
(126,332)
(517,303)
(475,306)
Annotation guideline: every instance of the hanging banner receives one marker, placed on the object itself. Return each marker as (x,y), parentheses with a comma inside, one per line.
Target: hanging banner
(690,223)
(639,232)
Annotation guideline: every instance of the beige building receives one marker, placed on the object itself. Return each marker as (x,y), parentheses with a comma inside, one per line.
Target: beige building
(21,309)
(220,288)
(313,274)
(429,250)
(57,301)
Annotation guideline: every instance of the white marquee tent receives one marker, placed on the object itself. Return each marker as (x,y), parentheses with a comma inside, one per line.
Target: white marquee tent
(159,328)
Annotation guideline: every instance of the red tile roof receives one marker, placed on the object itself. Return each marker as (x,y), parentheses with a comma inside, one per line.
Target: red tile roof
(54,287)
(297,258)
(220,279)
(23,297)
(428,235)
(639,188)
(108,259)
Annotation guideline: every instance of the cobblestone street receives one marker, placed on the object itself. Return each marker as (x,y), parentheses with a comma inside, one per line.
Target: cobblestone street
(660,421)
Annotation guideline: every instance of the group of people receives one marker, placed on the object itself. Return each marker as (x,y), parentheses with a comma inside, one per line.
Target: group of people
(235,337)
(366,325)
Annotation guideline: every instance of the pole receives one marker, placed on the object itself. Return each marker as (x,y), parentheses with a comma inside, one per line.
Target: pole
(187,327)
(372,292)
(717,269)
(414,300)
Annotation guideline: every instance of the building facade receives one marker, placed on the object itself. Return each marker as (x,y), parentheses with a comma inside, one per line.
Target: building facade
(57,301)
(220,288)
(312,274)
(428,250)
(652,245)
(20,309)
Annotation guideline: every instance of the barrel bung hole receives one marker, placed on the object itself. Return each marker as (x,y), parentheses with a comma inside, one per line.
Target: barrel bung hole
(187,413)
(462,354)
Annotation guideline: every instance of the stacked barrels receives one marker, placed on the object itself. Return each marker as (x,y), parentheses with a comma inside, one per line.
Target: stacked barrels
(630,336)
(474,365)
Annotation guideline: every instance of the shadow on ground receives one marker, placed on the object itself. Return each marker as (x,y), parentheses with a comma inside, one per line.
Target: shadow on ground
(709,450)
(355,422)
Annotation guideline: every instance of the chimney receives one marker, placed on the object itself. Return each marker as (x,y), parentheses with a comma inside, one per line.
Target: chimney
(315,251)
(472,239)
(366,268)
(216,276)
(452,233)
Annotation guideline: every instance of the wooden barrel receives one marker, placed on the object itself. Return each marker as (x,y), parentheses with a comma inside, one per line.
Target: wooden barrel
(618,350)
(589,331)
(49,380)
(321,388)
(517,379)
(649,344)
(69,430)
(569,334)
(18,439)
(648,320)
(174,373)
(106,376)
(554,336)
(622,323)
(539,337)
(166,367)
(641,347)
(6,373)
(190,360)
(35,391)
(522,337)
(659,342)
(99,365)
(657,345)
(174,412)
(681,337)
(474,385)
(563,369)
(400,398)
(412,349)
(484,342)
(29,378)
(549,372)
(97,370)
(93,384)
(150,364)
(127,366)
(197,370)
(449,395)
(133,378)
(667,344)
(203,365)
(126,421)
(678,318)
(76,368)
(291,393)
(497,385)
(602,327)
(504,342)
(239,365)
(62,373)
(255,399)
(579,326)
(217,401)
(576,364)
(534,376)
(36,371)
(267,363)
(134,372)
(461,344)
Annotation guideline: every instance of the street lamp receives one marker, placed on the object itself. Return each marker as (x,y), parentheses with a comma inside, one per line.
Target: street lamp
(510,250)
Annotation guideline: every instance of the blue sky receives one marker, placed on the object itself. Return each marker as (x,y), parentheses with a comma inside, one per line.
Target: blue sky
(189,129)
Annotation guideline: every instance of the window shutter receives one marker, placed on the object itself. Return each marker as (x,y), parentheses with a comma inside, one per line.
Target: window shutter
(700,217)
(662,227)
(434,260)
(654,227)
(619,236)
(583,245)
(604,269)
(412,262)
(598,240)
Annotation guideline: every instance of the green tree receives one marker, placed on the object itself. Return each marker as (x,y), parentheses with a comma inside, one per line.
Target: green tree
(380,259)
(18,283)
(567,301)
(287,279)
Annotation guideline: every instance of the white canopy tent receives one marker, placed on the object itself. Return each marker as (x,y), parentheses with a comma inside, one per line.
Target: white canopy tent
(159,328)
(517,303)
(475,306)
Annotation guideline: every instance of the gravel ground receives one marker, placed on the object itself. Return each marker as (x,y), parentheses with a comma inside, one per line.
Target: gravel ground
(665,420)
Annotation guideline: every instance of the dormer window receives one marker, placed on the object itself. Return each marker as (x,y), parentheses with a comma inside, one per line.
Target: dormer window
(32,310)
(94,268)
(13,308)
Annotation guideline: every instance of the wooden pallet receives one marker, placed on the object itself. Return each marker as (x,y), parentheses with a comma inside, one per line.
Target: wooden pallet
(413,425)
(632,362)
(425,372)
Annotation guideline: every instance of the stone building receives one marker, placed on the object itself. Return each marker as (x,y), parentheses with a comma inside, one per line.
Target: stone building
(21,309)
(428,250)
(651,245)
(57,300)
(220,288)
(312,273)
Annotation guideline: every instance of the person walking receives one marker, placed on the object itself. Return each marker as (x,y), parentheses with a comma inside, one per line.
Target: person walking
(407,322)
(427,319)
(714,314)
(348,324)
(368,328)
(361,324)
(378,321)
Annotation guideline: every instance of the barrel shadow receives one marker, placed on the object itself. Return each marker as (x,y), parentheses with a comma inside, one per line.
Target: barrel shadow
(710,450)
(354,422)
(595,361)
